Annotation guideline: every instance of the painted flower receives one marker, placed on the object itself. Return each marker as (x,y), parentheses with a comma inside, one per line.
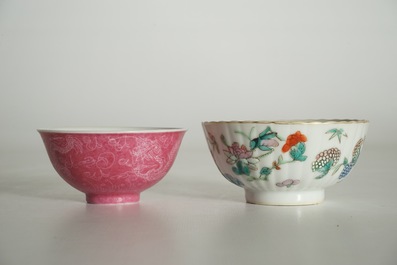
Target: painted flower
(235,153)
(276,165)
(357,150)
(325,160)
(212,141)
(241,158)
(292,140)
(269,143)
(288,183)
(348,166)
(265,140)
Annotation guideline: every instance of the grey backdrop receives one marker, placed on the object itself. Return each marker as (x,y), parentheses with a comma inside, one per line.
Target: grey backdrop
(178,63)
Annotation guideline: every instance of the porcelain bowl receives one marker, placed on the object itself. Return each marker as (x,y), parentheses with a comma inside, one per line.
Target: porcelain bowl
(285,162)
(112,165)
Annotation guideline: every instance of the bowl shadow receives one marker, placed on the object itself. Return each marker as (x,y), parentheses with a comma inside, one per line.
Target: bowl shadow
(40,186)
(195,187)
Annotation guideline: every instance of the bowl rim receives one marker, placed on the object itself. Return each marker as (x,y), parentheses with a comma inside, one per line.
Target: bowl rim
(294,122)
(110,130)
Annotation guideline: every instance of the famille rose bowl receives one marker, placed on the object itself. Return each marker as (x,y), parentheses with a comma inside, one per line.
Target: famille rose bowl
(285,162)
(112,165)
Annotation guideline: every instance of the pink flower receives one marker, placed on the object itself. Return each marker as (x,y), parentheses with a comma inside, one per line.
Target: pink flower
(240,152)
(269,142)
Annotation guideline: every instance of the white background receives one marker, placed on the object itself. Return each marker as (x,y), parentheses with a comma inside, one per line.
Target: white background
(178,63)
(175,64)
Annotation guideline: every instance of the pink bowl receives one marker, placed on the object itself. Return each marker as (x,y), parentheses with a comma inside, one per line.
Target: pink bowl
(112,165)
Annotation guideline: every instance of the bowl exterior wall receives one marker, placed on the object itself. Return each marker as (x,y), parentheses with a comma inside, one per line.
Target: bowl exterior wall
(112,163)
(285,157)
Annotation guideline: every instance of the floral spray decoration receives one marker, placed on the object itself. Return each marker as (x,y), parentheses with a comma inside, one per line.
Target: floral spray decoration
(242,158)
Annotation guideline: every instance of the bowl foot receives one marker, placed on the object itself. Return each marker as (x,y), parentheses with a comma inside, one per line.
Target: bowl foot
(112,198)
(284,197)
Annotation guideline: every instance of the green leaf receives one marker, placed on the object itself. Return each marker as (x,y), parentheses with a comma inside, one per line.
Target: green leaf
(324,170)
(252,167)
(250,178)
(264,132)
(236,171)
(241,168)
(230,161)
(238,168)
(268,136)
(253,160)
(279,137)
(332,131)
(223,139)
(254,143)
(266,171)
(336,169)
(301,147)
(297,152)
(301,158)
(327,166)
(246,170)
(264,148)
(263,177)
(280,160)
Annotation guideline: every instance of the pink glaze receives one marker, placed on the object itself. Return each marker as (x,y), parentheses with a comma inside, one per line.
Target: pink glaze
(112,167)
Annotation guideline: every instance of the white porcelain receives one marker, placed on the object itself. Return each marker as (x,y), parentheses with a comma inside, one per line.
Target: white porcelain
(285,162)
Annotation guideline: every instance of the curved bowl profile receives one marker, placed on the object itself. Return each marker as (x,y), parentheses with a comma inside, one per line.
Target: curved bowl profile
(285,162)
(112,165)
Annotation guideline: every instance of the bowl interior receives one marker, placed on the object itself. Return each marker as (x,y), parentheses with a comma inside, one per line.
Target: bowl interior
(295,122)
(106,130)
